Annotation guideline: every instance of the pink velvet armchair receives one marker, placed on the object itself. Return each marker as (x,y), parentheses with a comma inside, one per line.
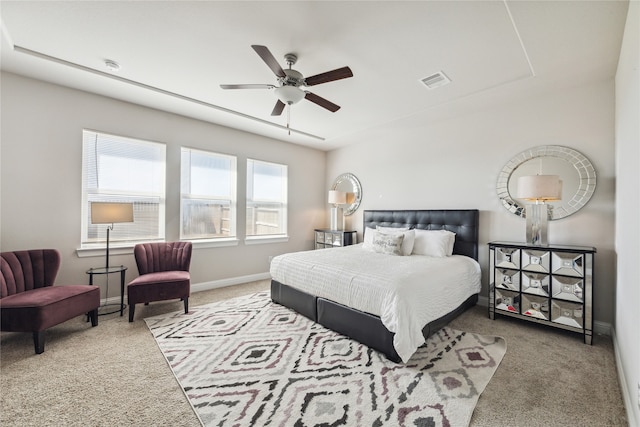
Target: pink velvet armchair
(30,303)
(164,274)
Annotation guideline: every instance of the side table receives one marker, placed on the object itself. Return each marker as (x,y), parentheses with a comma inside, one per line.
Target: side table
(109,270)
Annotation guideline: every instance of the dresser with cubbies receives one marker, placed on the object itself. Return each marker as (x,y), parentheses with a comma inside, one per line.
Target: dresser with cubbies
(550,285)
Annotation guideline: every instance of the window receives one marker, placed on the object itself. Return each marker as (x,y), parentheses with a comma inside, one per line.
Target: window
(119,169)
(208,195)
(266,198)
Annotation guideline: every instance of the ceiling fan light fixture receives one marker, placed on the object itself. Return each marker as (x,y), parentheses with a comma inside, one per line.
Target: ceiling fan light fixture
(289,94)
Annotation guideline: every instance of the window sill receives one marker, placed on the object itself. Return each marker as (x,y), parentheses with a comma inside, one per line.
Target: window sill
(213,243)
(95,252)
(260,240)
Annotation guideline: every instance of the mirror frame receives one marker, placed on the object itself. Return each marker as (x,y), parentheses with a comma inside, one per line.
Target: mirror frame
(570,203)
(357,191)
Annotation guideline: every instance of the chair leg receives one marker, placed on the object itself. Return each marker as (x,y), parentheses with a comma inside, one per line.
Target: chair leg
(93,314)
(186,305)
(38,341)
(132,311)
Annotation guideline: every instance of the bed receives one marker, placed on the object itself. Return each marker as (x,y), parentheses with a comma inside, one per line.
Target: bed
(336,288)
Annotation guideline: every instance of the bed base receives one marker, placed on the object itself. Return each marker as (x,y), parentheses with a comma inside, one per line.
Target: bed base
(358,325)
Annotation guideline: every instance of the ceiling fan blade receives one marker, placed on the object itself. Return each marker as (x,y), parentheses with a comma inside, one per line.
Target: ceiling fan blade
(277,110)
(268,58)
(249,86)
(322,102)
(329,76)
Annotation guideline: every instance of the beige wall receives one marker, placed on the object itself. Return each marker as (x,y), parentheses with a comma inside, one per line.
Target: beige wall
(41,171)
(454,163)
(627,208)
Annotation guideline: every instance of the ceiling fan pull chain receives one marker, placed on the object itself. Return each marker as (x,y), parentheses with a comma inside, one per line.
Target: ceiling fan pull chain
(289,118)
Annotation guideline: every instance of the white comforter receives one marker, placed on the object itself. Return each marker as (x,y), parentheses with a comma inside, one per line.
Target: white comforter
(406,292)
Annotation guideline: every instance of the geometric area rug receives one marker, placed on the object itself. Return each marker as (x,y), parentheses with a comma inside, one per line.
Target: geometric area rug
(250,362)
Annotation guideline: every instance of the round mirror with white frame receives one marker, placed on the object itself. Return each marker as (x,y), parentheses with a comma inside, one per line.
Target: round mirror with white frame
(349,184)
(575,170)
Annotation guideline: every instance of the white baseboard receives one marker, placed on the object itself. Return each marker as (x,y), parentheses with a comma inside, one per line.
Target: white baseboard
(624,387)
(599,328)
(205,286)
(483,301)
(198,287)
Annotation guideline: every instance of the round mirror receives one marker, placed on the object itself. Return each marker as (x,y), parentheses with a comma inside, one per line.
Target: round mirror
(575,170)
(348,183)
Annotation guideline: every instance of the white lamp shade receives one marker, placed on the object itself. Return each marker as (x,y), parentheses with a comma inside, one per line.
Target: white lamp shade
(289,94)
(540,188)
(109,213)
(337,197)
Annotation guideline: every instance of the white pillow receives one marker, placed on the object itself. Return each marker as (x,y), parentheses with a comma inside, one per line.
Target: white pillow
(409,237)
(368,237)
(437,243)
(390,244)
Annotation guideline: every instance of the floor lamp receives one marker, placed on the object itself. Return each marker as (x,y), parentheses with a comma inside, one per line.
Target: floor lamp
(110,213)
(538,189)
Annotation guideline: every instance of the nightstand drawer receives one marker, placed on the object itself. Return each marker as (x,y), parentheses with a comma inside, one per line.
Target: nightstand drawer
(568,264)
(567,313)
(535,283)
(508,279)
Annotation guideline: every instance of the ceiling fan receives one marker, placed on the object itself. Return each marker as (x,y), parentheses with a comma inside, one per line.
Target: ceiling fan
(290,82)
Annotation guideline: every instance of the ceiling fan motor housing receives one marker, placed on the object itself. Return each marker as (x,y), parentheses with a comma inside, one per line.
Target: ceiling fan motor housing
(293,78)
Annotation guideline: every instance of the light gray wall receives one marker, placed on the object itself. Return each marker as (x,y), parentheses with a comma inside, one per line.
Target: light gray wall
(41,172)
(454,163)
(627,208)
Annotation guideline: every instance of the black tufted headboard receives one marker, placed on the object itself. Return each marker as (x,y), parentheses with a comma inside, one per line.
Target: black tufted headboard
(464,223)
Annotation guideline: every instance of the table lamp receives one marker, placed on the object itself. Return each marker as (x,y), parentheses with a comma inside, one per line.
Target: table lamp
(336,198)
(538,189)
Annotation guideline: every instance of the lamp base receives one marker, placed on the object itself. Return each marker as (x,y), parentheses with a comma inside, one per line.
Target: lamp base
(537,221)
(336,218)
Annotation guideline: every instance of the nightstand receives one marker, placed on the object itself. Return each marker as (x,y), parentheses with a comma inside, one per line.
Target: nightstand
(551,285)
(325,238)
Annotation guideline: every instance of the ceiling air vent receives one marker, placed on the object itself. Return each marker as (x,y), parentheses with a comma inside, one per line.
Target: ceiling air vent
(436,80)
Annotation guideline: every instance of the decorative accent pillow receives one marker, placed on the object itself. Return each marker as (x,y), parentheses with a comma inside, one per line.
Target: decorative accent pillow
(388,243)
(409,237)
(436,243)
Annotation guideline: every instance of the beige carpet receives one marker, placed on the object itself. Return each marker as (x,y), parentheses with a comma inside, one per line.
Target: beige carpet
(115,375)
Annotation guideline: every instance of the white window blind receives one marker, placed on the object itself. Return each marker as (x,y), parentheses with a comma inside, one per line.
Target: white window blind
(120,169)
(208,195)
(266,198)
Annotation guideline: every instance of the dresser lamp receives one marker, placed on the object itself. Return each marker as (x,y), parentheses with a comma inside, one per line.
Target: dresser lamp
(337,198)
(110,213)
(538,189)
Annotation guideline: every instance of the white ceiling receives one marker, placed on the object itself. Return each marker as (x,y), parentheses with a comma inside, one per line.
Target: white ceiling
(175,54)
